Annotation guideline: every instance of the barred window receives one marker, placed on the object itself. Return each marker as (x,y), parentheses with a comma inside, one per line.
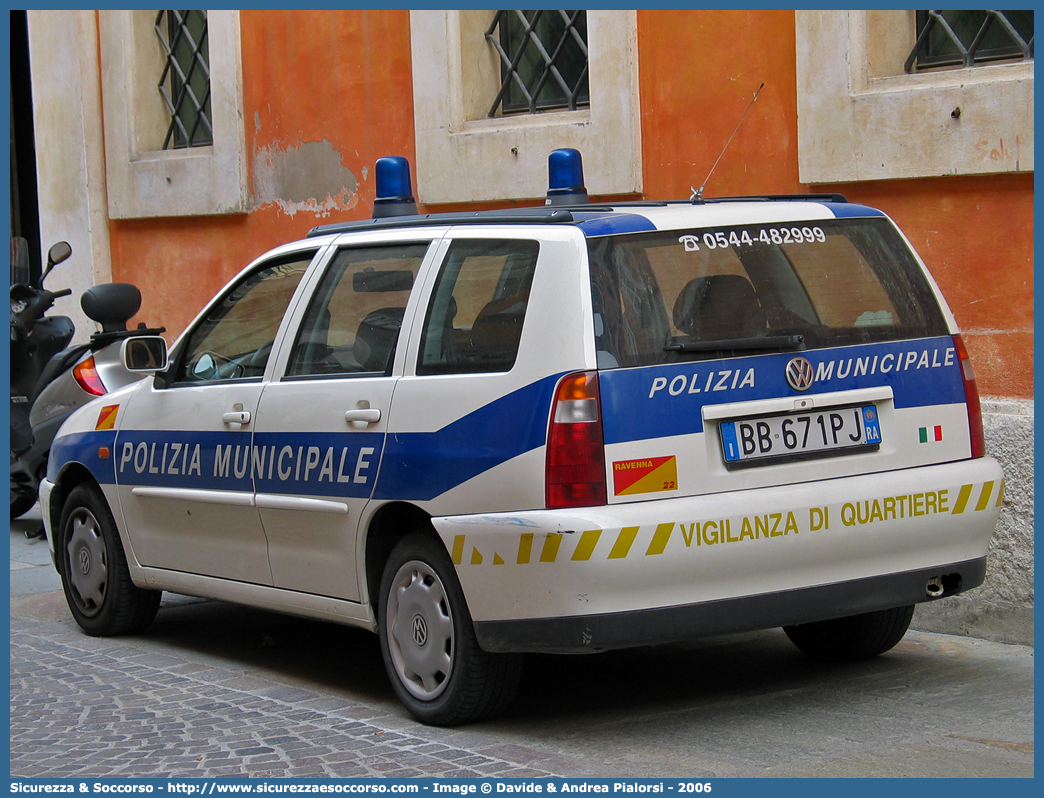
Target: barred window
(967,38)
(543,57)
(185,82)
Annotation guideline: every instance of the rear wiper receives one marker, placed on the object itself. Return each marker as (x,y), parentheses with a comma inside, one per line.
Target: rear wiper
(780,342)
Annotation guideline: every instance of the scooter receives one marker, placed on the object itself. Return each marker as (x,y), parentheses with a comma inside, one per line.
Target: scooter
(50,379)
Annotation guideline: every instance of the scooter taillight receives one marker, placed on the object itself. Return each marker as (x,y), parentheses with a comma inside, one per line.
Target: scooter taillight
(86,375)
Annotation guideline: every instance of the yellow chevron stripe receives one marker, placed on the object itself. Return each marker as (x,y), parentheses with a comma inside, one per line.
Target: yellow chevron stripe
(525,548)
(623,543)
(962,499)
(984,497)
(588,541)
(660,538)
(1000,494)
(476,556)
(458,549)
(551,544)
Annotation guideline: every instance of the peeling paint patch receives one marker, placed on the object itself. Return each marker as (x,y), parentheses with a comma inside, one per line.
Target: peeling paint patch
(307,177)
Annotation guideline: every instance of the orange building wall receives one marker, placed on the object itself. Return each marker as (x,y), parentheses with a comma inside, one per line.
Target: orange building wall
(698,71)
(322,85)
(343,77)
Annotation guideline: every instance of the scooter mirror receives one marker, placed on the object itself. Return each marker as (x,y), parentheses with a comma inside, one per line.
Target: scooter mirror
(144,354)
(56,254)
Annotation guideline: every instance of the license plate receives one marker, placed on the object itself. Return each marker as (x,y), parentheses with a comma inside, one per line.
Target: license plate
(819,433)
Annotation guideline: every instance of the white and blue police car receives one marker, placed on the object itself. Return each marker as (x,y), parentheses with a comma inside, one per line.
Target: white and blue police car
(566,428)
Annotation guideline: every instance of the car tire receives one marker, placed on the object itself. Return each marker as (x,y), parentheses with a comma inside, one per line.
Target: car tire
(428,641)
(98,588)
(853,638)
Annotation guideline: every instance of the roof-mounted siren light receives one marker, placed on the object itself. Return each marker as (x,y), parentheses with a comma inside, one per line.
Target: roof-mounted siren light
(394,190)
(565,178)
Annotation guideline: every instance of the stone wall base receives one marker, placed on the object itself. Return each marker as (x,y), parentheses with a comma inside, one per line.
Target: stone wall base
(1002,608)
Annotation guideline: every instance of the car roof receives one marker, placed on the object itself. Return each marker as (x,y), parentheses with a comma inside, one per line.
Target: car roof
(600,219)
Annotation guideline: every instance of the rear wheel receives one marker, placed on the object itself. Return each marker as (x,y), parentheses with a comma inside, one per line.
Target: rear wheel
(23,493)
(98,588)
(853,638)
(428,642)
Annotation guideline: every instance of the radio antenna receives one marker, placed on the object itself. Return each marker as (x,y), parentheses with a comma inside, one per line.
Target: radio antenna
(697,193)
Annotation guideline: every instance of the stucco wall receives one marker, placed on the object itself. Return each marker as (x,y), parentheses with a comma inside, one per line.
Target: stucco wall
(325,93)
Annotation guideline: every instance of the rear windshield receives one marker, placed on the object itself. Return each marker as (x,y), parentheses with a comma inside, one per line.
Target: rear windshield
(690,294)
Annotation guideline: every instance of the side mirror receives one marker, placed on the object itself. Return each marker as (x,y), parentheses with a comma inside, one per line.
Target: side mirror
(144,354)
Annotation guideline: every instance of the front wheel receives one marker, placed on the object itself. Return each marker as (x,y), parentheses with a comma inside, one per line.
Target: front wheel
(853,638)
(428,642)
(98,588)
(22,499)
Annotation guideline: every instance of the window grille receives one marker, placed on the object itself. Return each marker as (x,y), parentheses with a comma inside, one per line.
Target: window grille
(967,38)
(185,82)
(543,57)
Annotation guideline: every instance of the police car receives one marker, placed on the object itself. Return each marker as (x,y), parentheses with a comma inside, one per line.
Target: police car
(566,428)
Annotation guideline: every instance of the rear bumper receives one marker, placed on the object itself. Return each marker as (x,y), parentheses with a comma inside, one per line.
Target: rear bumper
(655,571)
(590,633)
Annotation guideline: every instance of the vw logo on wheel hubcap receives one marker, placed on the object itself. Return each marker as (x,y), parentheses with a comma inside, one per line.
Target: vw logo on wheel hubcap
(800,374)
(420,630)
(85,561)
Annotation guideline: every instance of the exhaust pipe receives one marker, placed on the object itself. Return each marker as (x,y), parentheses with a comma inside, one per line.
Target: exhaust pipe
(934,588)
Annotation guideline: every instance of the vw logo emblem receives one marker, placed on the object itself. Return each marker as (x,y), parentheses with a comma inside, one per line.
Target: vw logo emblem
(85,561)
(800,374)
(420,630)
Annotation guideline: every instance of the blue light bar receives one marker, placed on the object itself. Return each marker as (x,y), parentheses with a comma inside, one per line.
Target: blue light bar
(565,178)
(394,189)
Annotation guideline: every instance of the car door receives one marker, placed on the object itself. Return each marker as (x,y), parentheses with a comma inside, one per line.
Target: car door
(185,462)
(321,427)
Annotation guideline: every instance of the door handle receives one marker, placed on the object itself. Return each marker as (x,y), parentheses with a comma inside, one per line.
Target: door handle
(362,417)
(240,417)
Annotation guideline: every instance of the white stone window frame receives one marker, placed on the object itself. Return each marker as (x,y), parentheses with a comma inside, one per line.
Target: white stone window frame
(143,180)
(860,117)
(463,156)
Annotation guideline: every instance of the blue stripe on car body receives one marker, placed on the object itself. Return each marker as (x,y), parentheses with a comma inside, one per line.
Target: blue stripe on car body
(634,409)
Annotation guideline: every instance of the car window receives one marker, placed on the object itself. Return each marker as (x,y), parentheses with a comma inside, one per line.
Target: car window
(353,320)
(235,339)
(474,320)
(832,282)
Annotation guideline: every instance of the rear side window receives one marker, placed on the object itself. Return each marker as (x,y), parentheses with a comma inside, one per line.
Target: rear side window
(478,306)
(353,320)
(663,296)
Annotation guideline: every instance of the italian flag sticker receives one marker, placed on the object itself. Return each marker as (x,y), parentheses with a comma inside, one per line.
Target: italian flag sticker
(929,434)
(651,475)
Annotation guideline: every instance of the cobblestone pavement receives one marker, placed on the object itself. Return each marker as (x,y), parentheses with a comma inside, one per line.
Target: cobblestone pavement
(214,690)
(87,707)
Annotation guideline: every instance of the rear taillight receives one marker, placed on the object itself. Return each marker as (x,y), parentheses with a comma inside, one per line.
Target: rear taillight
(971,399)
(86,375)
(575,456)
